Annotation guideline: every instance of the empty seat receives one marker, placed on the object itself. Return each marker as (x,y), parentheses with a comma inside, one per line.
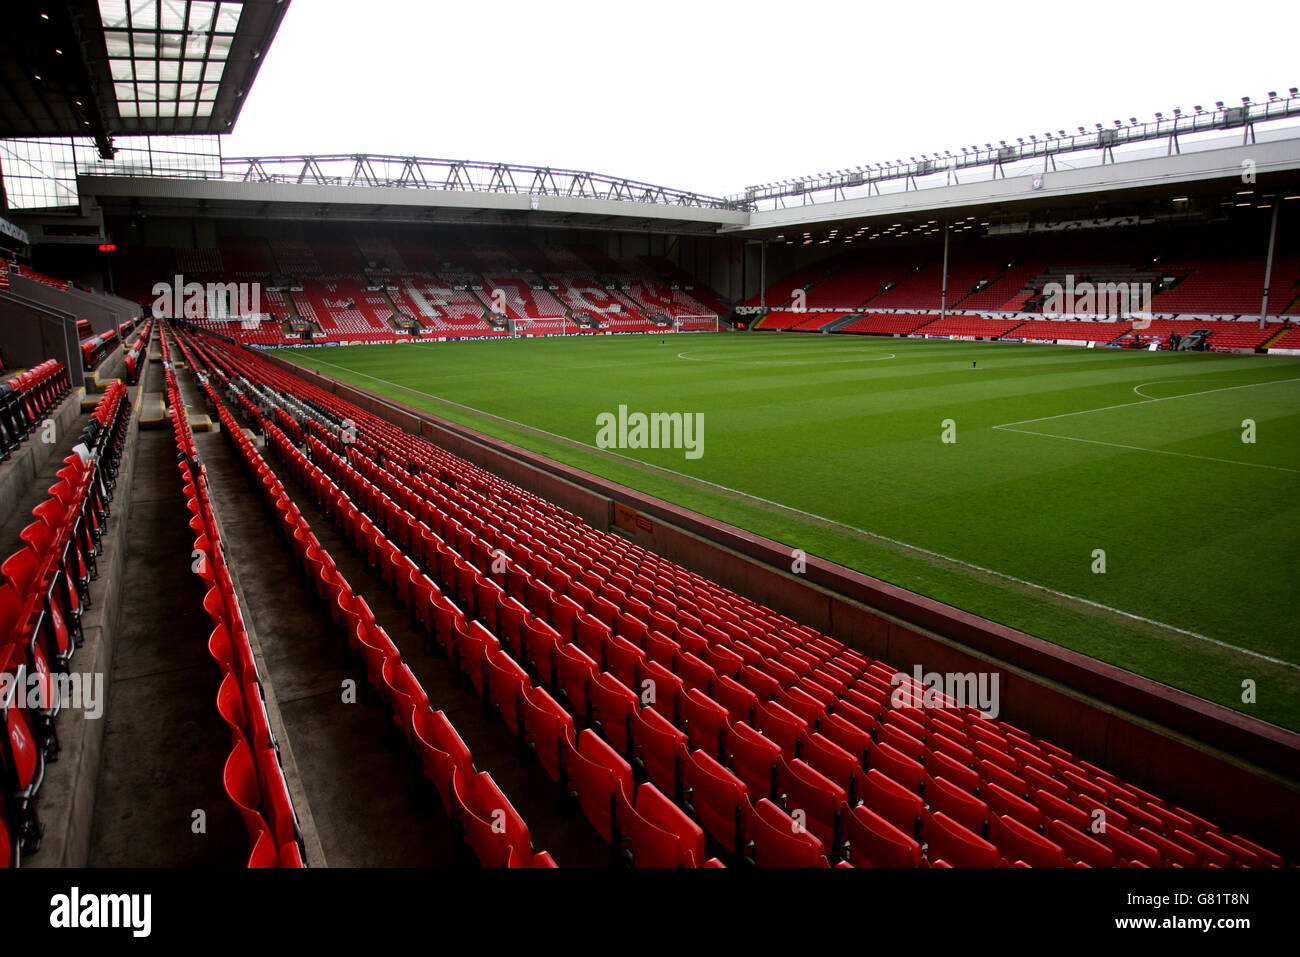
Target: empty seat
(753,758)
(493,828)
(548,727)
(897,804)
(661,748)
(541,644)
(874,842)
(441,751)
(894,764)
(781,841)
(1016,842)
(833,761)
(596,771)
(813,798)
(612,707)
(780,725)
(720,800)
(660,689)
(739,701)
(574,670)
(948,841)
(658,833)
(1080,847)
(705,722)
(1003,802)
(960,805)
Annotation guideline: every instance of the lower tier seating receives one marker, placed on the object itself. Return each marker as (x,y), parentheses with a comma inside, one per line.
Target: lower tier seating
(612,665)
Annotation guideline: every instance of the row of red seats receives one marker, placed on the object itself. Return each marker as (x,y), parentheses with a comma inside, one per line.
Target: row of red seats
(96,348)
(1068,329)
(662,751)
(45,589)
(1290,339)
(656,832)
(25,398)
(889,324)
(471,798)
(774,723)
(137,347)
(252,776)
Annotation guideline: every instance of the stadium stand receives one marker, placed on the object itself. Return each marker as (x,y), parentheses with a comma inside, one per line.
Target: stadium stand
(449,292)
(755,718)
(1073,331)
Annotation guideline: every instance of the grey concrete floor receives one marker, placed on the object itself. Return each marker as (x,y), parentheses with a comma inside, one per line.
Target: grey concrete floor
(365,788)
(165,745)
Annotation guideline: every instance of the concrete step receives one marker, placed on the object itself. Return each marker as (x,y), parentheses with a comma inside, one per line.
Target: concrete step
(153,411)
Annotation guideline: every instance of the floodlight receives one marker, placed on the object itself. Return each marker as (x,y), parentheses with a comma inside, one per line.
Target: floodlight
(1218,104)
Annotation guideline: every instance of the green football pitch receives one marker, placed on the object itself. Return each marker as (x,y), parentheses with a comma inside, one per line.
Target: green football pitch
(1142,508)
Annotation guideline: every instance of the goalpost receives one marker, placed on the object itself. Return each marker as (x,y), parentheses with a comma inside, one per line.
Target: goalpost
(680,321)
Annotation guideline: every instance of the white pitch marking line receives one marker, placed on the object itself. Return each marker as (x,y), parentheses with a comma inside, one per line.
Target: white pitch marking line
(764,362)
(1139,448)
(831,521)
(1138,388)
(1125,405)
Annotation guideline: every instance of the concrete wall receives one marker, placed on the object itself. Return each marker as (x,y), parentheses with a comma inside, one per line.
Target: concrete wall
(1237,771)
(103,312)
(31,332)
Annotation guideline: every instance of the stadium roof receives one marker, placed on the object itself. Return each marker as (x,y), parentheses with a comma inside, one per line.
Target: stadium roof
(102,67)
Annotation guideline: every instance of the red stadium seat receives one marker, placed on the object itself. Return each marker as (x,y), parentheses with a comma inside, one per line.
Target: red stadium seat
(661,748)
(720,801)
(1015,842)
(894,802)
(612,707)
(959,846)
(548,727)
(753,758)
(574,672)
(705,720)
(819,798)
(658,833)
(959,804)
(874,842)
(596,771)
(780,841)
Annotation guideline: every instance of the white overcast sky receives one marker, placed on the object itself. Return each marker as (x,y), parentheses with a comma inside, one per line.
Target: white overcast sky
(714,96)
